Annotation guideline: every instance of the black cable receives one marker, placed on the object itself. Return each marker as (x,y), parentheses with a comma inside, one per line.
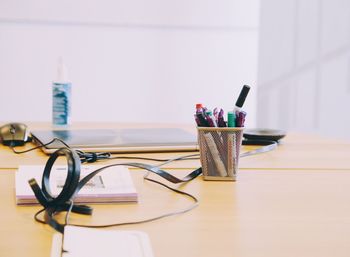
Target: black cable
(36,218)
(39,146)
(84,156)
(63,201)
(195,204)
(187,157)
(91,157)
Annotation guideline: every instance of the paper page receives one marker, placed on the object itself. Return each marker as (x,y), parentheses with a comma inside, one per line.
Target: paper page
(90,242)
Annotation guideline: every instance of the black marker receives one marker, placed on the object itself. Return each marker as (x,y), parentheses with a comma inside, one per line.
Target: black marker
(241,99)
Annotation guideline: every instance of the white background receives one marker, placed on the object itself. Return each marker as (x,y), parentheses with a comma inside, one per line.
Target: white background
(152,61)
(304,66)
(129,61)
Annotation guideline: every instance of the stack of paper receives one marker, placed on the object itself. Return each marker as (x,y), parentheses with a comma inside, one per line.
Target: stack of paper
(106,243)
(109,186)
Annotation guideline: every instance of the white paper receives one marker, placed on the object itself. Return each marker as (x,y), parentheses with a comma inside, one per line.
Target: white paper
(90,242)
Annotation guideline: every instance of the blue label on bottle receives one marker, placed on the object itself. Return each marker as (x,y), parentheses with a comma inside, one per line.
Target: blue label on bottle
(61,104)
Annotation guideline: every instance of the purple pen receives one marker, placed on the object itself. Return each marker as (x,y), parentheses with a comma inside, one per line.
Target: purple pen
(241,118)
(210,119)
(221,121)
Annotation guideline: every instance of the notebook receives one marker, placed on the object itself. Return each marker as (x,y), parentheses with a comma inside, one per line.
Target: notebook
(124,140)
(112,185)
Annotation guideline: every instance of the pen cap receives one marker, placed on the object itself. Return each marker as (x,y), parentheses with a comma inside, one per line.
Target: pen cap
(242,96)
(208,112)
(241,118)
(231,119)
(198,106)
(62,73)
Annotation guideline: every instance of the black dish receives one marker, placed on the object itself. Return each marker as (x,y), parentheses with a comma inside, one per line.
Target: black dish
(264,134)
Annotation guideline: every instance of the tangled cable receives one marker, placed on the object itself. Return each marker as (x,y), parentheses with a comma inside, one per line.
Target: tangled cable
(64,201)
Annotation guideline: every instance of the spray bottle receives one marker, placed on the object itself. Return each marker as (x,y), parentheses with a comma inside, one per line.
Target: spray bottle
(61,97)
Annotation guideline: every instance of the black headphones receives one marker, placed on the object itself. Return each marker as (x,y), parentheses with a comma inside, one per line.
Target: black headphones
(63,202)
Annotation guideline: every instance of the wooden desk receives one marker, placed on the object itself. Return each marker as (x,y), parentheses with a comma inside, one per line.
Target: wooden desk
(298,151)
(267,212)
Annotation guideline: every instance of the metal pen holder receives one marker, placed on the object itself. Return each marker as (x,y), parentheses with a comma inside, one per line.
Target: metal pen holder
(219,152)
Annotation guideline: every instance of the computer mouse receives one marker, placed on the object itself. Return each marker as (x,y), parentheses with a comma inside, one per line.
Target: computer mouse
(14,134)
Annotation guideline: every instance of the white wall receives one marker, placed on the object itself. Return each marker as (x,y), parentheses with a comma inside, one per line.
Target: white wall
(128,60)
(304,66)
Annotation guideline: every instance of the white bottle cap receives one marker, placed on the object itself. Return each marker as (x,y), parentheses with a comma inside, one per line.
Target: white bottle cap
(62,73)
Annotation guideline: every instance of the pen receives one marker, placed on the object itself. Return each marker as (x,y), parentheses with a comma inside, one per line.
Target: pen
(199,109)
(214,151)
(201,120)
(216,114)
(241,99)
(240,118)
(221,121)
(197,120)
(210,119)
(231,119)
(200,116)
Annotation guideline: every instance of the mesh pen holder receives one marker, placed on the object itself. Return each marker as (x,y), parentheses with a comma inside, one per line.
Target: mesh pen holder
(219,152)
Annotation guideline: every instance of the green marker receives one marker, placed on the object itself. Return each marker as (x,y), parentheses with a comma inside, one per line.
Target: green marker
(231,119)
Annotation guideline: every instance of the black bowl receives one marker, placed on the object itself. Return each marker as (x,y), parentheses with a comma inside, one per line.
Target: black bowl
(264,134)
